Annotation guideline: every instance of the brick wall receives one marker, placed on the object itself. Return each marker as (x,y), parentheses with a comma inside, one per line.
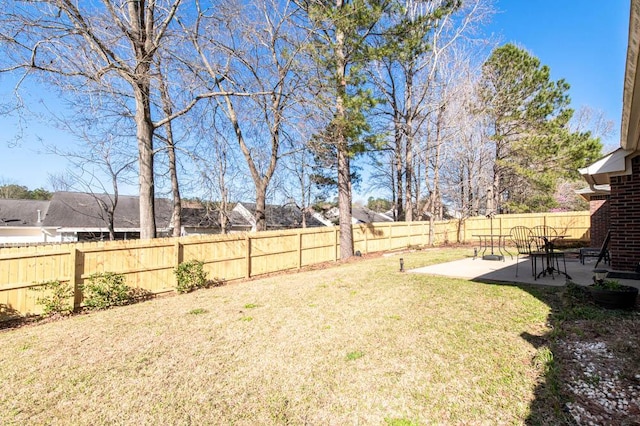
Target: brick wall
(624,206)
(600,214)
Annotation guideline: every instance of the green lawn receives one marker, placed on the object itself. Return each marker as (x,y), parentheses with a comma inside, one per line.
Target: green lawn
(356,343)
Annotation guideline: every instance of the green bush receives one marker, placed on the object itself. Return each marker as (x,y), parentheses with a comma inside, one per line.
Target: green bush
(190,275)
(107,289)
(58,298)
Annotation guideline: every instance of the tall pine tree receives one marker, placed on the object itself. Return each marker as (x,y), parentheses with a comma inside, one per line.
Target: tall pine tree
(528,114)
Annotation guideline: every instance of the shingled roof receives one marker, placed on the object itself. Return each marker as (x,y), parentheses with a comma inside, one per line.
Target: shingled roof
(283,217)
(22,212)
(200,217)
(82,210)
(364,215)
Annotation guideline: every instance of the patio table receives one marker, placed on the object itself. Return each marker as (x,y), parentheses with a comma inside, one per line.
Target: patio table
(492,242)
(549,246)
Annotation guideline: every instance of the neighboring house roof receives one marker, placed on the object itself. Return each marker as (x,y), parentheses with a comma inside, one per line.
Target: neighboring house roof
(287,216)
(364,215)
(200,217)
(22,212)
(81,210)
(594,190)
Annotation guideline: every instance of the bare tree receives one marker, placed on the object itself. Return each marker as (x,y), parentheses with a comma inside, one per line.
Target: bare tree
(412,79)
(258,43)
(588,119)
(170,145)
(111,42)
(97,168)
(221,178)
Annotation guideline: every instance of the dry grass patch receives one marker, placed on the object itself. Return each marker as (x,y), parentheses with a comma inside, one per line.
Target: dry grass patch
(356,343)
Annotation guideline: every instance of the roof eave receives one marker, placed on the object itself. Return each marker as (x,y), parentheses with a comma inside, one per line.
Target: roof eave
(630,126)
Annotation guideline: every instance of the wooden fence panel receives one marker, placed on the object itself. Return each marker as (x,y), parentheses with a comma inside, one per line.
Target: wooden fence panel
(145,264)
(418,233)
(274,252)
(446,232)
(20,274)
(573,224)
(369,238)
(149,264)
(318,246)
(224,258)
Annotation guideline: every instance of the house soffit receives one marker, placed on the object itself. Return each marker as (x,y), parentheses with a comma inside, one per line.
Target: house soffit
(616,163)
(630,127)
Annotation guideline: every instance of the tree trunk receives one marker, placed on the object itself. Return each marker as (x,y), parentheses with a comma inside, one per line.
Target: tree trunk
(222,213)
(434,199)
(176,216)
(261,205)
(344,167)
(114,205)
(344,203)
(144,135)
(408,156)
(394,188)
(397,158)
(261,182)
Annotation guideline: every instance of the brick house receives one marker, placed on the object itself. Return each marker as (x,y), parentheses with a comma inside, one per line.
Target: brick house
(614,180)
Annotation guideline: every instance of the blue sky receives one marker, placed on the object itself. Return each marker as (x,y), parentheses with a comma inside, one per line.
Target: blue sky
(582,41)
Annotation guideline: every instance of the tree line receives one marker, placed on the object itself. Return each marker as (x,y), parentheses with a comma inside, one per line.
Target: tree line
(19,192)
(292,98)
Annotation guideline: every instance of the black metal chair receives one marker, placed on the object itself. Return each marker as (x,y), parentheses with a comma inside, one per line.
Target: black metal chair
(602,252)
(521,237)
(544,237)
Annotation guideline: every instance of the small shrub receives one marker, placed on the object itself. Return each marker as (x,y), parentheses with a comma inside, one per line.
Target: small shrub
(190,276)
(107,289)
(609,285)
(58,300)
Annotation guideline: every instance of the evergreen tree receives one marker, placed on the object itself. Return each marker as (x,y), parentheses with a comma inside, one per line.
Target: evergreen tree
(342,39)
(527,114)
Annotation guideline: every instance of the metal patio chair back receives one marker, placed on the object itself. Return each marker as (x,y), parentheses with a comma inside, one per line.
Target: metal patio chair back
(521,237)
(546,244)
(537,232)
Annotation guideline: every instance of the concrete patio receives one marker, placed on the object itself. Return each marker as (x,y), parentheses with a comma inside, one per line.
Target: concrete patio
(505,271)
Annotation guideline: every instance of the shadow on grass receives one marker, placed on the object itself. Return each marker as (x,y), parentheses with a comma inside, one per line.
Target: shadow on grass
(572,313)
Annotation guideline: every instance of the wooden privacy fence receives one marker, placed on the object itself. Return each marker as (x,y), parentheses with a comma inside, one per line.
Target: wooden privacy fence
(149,264)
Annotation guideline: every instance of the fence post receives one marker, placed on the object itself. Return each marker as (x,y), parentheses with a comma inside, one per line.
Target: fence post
(177,247)
(73,254)
(335,243)
(366,239)
(248,256)
(177,259)
(464,231)
(424,233)
(299,248)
